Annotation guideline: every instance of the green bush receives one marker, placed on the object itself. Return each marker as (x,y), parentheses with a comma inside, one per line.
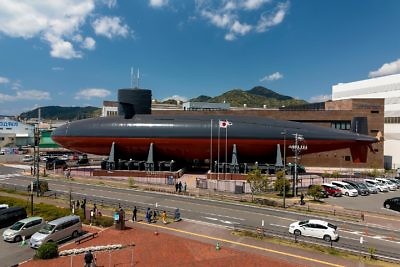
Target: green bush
(48,250)
(103,221)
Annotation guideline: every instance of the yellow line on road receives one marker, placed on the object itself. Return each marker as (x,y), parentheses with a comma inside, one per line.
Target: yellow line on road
(244,245)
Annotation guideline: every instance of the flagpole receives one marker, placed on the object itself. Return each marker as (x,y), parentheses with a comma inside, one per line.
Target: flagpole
(211,146)
(219,130)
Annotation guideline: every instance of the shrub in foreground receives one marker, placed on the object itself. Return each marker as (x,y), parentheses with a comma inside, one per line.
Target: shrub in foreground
(48,250)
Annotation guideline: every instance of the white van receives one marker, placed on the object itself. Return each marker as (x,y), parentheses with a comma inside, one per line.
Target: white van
(57,230)
(25,227)
(346,189)
(379,185)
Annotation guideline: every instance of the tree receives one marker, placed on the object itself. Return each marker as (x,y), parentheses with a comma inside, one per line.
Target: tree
(258,182)
(315,191)
(280,184)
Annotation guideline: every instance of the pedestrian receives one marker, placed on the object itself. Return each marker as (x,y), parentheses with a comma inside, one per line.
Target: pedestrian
(177,215)
(91,216)
(31,170)
(176,187)
(302,199)
(69,173)
(148,214)
(78,204)
(134,212)
(184,187)
(154,215)
(164,217)
(88,258)
(180,186)
(94,209)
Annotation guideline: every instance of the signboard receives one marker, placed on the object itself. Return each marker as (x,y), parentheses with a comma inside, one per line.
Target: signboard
(116,216)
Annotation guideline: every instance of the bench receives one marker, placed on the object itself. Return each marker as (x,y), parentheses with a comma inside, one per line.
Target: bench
(86,237)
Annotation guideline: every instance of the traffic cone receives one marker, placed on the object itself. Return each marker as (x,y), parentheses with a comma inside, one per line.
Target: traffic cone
(217,247)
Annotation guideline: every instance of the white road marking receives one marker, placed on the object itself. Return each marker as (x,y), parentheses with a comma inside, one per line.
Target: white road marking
(283,226)
(222,221)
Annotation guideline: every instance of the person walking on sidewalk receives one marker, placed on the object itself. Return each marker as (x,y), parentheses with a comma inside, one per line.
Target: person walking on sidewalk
(134,212)
(180,186)
(148,215)
(184,187)
(164,217)
(88,259)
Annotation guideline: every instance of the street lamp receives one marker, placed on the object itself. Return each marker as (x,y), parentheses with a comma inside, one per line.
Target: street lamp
(297,149)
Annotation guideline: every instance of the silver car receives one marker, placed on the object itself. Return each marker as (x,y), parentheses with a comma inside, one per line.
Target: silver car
(23,228)
(57,230)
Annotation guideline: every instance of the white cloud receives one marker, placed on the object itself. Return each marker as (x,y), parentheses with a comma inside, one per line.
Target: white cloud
(92,93)
(272,77)
(228,15)
(89,43)
(4,80)
(386,69)
(158,3)
(111,3)
(53,21)
(176,97)
(110,27)
(269,20)
(25,95)
(320,98)
(254,4)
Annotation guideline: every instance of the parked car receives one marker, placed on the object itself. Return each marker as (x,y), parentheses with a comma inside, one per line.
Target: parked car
(3,206)
(362,189)
(388,183)
(25,227)
(396,182)
(379,185)
(64,157)
(57,230)
(11,215)
(56,164)
(372,188)
(332,190)
(392,203)
(346,189)
(43,186)
(27,158)
(315,228)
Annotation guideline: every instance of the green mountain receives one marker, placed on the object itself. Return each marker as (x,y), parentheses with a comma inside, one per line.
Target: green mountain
(62,113)
(255,97)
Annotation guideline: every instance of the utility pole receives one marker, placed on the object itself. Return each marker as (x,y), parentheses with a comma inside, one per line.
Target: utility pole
(36,157)
(284,168)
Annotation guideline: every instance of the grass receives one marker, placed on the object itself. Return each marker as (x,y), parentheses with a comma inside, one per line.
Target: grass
(315,248)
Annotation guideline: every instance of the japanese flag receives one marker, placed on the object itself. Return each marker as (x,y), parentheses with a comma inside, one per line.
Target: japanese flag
(224,124)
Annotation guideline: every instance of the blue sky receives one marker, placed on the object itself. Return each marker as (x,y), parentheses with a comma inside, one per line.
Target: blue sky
(79,52)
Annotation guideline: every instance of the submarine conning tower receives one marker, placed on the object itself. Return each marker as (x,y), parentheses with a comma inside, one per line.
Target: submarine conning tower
(134,101)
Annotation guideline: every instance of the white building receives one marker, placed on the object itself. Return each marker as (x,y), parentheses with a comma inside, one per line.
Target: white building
(387,87)
(14,133)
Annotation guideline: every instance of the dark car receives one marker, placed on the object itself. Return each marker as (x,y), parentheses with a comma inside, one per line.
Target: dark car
(362,189)
(332,190)
(392,203)
(11,215)
(43,186)
(56,164)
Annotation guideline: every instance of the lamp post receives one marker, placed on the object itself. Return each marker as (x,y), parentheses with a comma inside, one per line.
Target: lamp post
(36,159)
(297,149)
(284,168)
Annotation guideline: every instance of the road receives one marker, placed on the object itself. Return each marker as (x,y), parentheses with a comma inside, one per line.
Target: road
(385,240)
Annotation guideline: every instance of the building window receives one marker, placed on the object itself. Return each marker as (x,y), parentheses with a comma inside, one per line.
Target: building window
(341,125)
(374,131)
(8,129)
(347,158)
(376,150)
(374,111)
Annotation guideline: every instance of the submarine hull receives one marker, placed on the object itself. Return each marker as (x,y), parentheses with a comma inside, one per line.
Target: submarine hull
(188,138)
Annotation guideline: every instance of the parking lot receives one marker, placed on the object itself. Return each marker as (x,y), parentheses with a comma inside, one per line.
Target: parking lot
(373,202)
(14,253)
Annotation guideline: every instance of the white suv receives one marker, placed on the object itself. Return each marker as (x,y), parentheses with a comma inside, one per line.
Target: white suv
(388,183)
(315,228)
(346,189)
(379,185)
